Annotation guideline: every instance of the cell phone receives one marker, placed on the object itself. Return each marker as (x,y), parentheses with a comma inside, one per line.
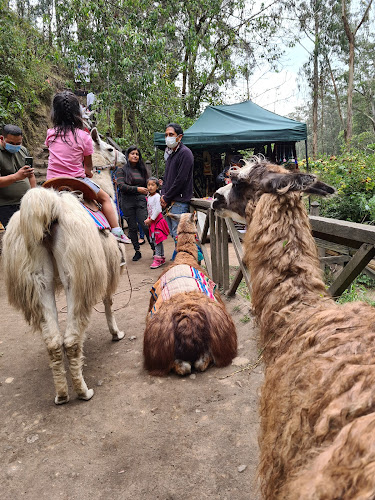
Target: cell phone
(29,161)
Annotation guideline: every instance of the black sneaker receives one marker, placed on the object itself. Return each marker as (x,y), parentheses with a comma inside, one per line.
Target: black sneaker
(137,256)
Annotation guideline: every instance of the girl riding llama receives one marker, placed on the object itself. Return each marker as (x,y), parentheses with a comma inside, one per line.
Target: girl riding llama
(70,153)
(156,223)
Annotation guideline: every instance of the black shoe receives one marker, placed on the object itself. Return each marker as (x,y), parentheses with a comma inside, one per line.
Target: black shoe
(137,255)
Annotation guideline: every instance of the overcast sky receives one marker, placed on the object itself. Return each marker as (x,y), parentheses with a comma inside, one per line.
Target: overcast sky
(277,92)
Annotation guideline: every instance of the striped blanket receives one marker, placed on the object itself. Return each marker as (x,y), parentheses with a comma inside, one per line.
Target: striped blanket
(99,218)
(181,278)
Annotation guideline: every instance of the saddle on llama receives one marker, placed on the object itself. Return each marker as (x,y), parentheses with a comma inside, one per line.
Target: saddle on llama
(86,195)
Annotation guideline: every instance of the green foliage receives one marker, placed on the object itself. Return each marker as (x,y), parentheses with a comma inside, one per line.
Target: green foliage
(26,65)
(245,319)
(356,292)
(353,175)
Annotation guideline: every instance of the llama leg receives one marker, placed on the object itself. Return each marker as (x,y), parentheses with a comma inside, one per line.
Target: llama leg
(51,334)
(112,325)
(73,343)
(76,324)
(182,367)
(203,362)
(74,351)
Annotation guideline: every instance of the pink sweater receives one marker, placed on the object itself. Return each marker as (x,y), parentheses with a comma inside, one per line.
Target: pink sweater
(66,158)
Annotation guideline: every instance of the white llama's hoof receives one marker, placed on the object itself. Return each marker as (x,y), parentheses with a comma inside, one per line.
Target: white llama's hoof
(86,397)
(118,336)
(60,400)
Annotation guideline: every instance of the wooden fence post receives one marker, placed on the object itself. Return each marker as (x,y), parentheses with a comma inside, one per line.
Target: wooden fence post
(214,263)
(314,210)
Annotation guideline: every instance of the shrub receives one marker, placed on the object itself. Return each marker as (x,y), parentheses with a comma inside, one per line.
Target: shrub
(353,175)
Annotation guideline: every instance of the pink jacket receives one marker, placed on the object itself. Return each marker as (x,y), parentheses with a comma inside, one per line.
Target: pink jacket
(159,228)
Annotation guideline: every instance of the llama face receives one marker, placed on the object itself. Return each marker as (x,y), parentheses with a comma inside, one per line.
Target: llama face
(232,199)
(260,177)
(108,152)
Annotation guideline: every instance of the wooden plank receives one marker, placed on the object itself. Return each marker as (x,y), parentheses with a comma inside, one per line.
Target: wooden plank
(352,269)
(113,143)
(225,256)
(351,234)
(329,245)
(205,229)
(206,256)
(235,283)
(335,259)
(219,232)
(211,216)
(199,203)
(238,249)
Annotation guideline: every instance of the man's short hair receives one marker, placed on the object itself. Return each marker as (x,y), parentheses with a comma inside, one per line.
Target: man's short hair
(11,130)
(177,128)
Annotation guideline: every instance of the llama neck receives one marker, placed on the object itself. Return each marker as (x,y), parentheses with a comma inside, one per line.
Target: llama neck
(186,243)
(281,255)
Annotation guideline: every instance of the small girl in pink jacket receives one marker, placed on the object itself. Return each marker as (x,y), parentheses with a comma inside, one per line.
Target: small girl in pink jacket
(156,223)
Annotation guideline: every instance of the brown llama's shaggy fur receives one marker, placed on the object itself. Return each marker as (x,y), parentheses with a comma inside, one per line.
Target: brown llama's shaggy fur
(318,399)
(190,328)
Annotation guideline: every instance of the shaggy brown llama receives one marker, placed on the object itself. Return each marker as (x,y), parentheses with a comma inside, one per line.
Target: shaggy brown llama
(189,328)
(318,399)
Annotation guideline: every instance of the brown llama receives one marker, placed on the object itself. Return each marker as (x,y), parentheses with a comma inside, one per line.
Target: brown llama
(186,326)
(318,399)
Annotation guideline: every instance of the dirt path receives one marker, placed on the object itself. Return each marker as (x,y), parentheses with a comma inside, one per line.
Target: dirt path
(139,438)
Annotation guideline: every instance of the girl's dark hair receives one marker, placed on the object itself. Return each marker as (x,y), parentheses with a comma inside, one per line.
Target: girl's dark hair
(176,127)
(154,179)
(66,114)
(140,165)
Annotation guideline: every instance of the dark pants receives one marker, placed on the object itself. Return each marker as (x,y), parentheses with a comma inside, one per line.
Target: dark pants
(134,208)
(6,213)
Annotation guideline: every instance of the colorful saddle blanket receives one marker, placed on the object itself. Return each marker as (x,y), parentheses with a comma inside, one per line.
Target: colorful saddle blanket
(99,218)
(181,278)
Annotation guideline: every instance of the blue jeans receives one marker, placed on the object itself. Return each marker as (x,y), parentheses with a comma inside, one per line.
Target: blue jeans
(178,207)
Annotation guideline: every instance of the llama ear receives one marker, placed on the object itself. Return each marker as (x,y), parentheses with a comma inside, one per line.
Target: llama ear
(193,217)
(175,216)
(319,188)
(283,183)
(95,135)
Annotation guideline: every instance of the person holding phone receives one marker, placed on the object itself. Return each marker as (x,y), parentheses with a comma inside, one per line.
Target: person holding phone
(16,176)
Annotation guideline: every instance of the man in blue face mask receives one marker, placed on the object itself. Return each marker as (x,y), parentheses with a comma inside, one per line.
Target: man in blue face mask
(15,177)
(177,189)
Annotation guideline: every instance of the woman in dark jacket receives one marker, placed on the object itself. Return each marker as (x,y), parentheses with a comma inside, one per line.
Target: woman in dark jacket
(132,181)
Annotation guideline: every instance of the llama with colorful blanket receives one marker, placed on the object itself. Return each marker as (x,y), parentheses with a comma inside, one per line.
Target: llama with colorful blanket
(187,324)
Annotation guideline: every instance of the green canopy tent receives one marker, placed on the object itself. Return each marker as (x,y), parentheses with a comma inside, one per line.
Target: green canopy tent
(237,127)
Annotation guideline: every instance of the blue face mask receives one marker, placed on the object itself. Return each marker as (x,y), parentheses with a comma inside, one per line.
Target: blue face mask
(12,148)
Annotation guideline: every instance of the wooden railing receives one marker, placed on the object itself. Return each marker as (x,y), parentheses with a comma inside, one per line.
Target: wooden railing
(360,238)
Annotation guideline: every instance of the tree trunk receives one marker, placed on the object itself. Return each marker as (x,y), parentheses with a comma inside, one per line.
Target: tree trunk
(349,118)
(131,116)
(322,147)
(351,39)
(336,95)
(118,120)
(315,85)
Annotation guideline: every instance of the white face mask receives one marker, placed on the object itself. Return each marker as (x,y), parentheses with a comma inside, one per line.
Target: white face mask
(171,142)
